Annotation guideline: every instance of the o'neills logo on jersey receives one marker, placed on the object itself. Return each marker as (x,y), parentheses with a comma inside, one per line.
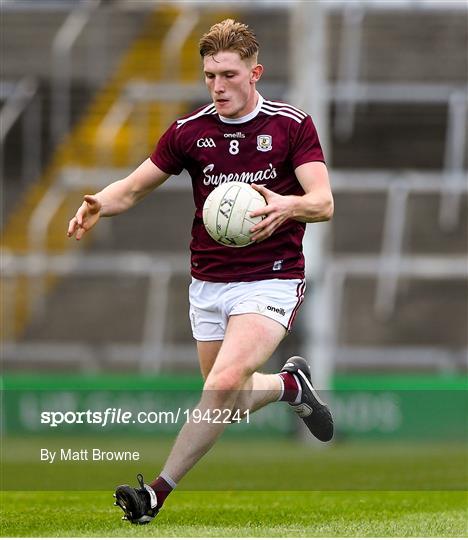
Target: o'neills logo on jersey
(237,135)
(247,177)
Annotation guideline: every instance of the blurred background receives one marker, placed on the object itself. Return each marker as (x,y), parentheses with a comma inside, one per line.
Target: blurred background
(87,87)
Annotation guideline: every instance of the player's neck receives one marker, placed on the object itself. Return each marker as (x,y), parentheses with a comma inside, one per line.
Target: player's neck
(246,117)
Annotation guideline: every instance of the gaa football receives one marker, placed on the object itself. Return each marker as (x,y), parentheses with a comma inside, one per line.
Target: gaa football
(226,213)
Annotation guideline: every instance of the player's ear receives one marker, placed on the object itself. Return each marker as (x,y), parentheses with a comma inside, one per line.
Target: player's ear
(256,73)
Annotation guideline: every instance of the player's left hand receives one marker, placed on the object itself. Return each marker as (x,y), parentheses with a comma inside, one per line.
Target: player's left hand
(279,208)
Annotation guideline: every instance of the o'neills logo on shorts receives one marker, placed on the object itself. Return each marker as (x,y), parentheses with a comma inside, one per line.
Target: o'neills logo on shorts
(277,310)
(247,177)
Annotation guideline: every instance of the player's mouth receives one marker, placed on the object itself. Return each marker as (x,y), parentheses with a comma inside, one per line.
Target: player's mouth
(222,101)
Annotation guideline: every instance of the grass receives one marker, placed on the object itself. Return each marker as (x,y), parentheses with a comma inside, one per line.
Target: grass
(244,465)
(258,488)
(241,514)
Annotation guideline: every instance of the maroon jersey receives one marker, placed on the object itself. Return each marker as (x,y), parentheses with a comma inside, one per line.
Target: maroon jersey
(264,147)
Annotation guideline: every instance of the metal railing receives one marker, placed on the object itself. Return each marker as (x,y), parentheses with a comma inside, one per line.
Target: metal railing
(62,47)
(330,291)
(454,173)
(349,91)
(349,67)
(398,187)
(175,40)
(19,98)
(125,105)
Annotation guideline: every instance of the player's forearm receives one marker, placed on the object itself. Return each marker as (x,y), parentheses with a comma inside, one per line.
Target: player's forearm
(123,194)
(115,199)
(317,203)
(118,197)
(313,207)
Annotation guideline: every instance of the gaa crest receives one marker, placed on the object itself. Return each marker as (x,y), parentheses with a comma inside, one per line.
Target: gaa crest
(264,143)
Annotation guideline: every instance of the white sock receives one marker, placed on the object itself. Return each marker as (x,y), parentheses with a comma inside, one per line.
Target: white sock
(168,479)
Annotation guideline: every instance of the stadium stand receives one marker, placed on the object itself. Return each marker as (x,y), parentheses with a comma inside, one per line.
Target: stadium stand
(388,156)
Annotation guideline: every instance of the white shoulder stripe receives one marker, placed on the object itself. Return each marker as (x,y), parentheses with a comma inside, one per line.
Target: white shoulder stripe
(283,109)
(209,109)
(286,109)
(281,105)
(281,113)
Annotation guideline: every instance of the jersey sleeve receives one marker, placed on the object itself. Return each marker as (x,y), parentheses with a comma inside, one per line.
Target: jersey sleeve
(167,155)
(306,145)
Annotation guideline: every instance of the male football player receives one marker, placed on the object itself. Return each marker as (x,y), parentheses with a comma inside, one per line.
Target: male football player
(242,301)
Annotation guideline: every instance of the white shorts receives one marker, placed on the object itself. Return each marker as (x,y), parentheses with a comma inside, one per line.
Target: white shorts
(211,304)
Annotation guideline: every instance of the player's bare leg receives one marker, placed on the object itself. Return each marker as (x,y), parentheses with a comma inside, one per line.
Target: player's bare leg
(258,390)
(249,341)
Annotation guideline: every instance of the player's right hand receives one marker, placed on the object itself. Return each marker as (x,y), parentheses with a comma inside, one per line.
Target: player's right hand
(86,217)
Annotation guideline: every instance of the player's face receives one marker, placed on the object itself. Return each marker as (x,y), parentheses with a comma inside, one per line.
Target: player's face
(231,82)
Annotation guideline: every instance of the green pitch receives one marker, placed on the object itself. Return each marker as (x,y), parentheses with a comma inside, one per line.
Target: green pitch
(272,514)
(362,489)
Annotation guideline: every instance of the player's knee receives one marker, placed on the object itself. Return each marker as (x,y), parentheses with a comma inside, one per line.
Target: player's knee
(227,380)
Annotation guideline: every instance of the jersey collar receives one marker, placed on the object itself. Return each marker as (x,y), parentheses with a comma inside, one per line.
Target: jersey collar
(245,118)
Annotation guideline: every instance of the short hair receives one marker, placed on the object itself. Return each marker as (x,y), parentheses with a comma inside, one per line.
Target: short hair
(230,35)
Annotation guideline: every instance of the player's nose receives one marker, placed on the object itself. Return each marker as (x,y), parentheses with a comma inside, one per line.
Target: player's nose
(218,86)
